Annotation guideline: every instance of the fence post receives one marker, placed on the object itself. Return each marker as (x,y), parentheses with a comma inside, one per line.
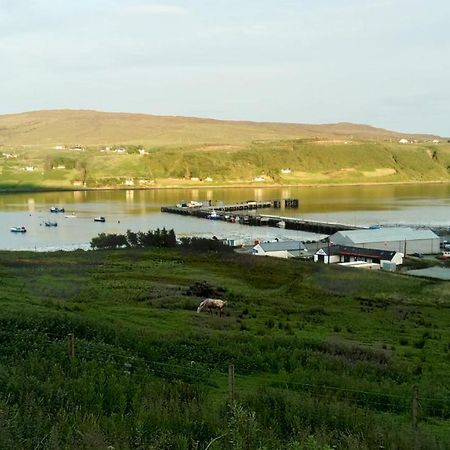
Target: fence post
(71,345)
(415,414)
(231,385)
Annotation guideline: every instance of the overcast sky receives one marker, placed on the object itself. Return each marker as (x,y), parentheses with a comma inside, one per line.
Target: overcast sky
(382,62)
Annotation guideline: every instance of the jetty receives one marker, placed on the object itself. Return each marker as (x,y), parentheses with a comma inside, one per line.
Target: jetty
(247,213)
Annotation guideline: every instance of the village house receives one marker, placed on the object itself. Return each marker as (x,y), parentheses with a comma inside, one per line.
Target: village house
(258,179)
(285,171)
(403,141)
(29,169)
(280,249)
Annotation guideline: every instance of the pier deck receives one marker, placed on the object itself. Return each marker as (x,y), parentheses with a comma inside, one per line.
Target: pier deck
(246,214)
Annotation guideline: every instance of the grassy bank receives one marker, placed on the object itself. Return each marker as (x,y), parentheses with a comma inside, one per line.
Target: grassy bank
(290,162)
(324,356)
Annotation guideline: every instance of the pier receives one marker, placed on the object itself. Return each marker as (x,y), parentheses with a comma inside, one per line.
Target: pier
(247,214)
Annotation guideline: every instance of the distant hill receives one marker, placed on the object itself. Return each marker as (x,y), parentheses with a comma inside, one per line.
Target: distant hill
(52,127)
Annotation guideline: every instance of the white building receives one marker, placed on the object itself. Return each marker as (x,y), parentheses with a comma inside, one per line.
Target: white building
(357,256)
(399,239)
(280,249)
(29,169)
(258,179)
(403,141)
(285,171)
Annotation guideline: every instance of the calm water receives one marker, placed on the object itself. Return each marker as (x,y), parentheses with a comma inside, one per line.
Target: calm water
(140,210)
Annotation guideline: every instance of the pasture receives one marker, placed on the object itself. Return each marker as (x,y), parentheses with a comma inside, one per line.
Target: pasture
(325,357)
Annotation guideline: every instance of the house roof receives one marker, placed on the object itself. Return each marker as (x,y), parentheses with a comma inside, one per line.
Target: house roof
(386,234)
(361,252)
(282,246)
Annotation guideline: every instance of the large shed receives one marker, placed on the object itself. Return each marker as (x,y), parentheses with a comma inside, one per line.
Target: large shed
(399,239)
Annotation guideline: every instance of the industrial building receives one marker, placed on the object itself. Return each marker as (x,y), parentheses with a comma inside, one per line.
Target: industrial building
(398,239)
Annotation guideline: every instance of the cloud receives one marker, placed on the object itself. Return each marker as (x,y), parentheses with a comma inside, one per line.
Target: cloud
(154,9)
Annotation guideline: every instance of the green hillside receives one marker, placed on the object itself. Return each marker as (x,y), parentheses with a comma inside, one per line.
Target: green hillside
(69,149)
(324,358)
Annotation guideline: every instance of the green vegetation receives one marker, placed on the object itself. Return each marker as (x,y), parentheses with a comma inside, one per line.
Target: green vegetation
(73,149)
(325,357)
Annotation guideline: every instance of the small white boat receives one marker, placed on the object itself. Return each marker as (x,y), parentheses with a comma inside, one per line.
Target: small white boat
(281,224)
(213,215)
(99,219)
(70,216)
(18,229)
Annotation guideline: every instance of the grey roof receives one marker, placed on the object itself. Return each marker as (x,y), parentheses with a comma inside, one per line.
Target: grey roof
(358,251)
(386,234)
(282,245)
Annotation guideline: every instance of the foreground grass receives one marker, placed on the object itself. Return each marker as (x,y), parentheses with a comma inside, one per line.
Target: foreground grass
(324,356)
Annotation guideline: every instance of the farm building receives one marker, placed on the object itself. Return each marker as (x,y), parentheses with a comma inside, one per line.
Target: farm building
(280,249)
(399,239)
(339,254)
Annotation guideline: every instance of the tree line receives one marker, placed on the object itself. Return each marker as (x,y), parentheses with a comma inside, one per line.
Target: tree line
(156,238)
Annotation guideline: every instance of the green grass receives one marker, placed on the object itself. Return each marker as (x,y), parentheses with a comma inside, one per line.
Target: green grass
(310,162)
(323,355)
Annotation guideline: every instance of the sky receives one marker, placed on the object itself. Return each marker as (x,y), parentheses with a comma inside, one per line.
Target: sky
(380,62)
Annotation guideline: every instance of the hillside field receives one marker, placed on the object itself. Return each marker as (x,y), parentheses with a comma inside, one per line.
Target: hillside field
(87,149)
(325,357)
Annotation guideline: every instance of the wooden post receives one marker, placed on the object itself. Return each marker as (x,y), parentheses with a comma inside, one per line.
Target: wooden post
(71,345)
(231,385)
(415,414)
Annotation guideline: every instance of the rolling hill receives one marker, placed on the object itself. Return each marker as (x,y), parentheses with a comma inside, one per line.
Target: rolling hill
(85,127)
(64,149)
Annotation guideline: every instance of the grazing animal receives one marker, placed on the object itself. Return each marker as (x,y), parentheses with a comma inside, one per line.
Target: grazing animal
(210,304)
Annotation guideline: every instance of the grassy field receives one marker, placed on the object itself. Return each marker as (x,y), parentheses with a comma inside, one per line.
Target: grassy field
(325,357)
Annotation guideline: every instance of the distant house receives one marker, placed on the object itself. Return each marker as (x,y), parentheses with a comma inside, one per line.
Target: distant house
(260,178)
(29,169)
(77,148)
(208,179)
(129,182)
(195,179)
(285,171)
(60,167)
(400,239)
(403,141)
(9,155)
(59,147)
(354,256)
(142,152)
(280,249)
(436,141)
(120,150)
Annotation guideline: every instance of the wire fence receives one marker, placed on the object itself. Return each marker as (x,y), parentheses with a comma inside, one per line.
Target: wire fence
(417,405)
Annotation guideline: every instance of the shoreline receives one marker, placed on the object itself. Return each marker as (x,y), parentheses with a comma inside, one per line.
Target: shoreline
(44,190)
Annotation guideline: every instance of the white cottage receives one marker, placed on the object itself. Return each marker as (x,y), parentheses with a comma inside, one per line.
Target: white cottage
(280,249)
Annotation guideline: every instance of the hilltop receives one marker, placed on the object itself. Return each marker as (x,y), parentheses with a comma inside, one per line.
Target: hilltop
(86,127)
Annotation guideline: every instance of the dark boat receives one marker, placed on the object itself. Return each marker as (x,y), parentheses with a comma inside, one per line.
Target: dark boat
(18,229)
(48,223)
(99,219)
(55,209)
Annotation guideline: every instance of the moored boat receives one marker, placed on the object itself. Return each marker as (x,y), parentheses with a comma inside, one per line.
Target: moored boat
(213,215)
(281,224)
(18,229)
(99,219)
(48,223)
(55,209)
